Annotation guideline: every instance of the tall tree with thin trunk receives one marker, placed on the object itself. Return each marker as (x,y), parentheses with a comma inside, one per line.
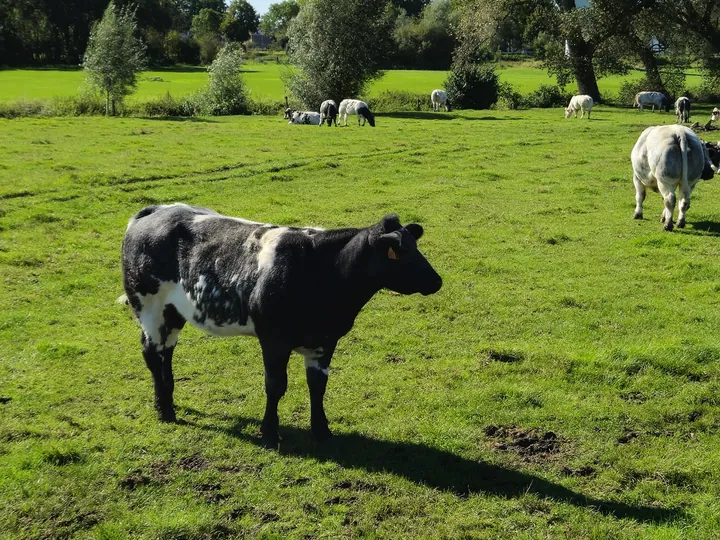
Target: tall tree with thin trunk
(114,56)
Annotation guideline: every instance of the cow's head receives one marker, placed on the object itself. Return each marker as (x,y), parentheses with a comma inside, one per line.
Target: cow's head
(568,112)
(715,115)
(448,105)
(396,261)
(365,113)
(288,113)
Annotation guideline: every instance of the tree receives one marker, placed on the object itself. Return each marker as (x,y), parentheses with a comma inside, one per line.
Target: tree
(277,19)
(426,41)
(206,31)
(114,55)
(239,22)
(225,93)
(337,46)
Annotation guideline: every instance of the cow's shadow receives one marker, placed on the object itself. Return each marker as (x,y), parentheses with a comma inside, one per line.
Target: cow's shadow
(428,466)
(708,227)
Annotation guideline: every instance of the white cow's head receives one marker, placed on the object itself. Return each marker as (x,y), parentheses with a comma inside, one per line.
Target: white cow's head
(715,115)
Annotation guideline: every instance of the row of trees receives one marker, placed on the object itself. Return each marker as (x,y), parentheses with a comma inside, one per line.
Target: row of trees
(56,32)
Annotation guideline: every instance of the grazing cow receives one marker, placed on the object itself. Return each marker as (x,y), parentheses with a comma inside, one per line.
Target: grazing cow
(682,110)
(715,115)
(328,111)
(360,108)
(654,99)
(288,113)
(666,158)
(295,289)
(579,103)
(308,118)
(439,99)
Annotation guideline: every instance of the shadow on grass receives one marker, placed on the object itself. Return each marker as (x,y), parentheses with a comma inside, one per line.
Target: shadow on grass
(432,467)
(420,115)
(200,119)
(710,227)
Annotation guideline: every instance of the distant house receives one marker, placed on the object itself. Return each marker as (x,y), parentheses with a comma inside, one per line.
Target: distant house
(260,40)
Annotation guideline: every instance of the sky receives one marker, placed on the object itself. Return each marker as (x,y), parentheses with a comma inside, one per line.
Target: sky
(261,6)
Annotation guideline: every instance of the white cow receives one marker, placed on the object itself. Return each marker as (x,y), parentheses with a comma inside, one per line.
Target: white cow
(656,99)
(360,108)
(579,103)
(682,110)
(666,158)
(311,118)
(329,112)
(439,99)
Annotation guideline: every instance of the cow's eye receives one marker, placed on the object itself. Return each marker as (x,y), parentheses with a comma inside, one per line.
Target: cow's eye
(392,254)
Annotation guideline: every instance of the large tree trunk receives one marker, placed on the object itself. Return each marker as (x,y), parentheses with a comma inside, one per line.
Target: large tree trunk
(581,59)
(652,73)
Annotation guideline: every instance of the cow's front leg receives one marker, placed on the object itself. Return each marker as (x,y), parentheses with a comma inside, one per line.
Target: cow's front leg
(275,358)
(640,192)
(317,362)
(684,207)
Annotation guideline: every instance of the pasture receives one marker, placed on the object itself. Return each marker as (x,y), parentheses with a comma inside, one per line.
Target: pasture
(562,383)
(264,81)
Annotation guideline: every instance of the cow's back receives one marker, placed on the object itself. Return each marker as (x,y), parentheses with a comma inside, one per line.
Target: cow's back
(658,153)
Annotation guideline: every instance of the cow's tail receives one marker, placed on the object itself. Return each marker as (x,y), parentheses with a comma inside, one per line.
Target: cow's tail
(684,151)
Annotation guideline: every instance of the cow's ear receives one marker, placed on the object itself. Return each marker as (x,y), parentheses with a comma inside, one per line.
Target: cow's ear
(415,230)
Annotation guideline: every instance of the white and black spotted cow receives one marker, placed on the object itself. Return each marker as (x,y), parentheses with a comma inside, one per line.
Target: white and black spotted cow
(295,289)
(360,108)
(305,118)
(329,112)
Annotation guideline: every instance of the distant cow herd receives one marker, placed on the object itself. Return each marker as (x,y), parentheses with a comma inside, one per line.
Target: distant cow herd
(300,288)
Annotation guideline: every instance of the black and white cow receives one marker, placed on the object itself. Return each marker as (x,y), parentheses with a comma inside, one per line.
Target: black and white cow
(329,112)
(670,158)
(288,113)
(360,108)
(305,118)
(295,289)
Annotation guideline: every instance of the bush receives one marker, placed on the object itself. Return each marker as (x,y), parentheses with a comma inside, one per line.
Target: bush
(225,92)
(168,105)
(392,100)
(472,86)
(707,92)
(547,96)
(508,98)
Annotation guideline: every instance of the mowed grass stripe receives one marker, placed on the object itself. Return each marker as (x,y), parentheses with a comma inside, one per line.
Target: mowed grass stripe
(559,313)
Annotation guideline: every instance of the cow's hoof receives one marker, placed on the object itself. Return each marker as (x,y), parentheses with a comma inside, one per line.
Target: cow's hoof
(637,216)
(167,416)
(669,226)
(681,224)
(322,434)
(271,442)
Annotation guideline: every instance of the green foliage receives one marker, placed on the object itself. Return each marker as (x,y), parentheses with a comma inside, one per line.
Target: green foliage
(114,56)
(225,92)
(338,46)
(276,20)
(508,97)
(547,96)
(472,86)
(240,21)
(206,32)
(173,45)
(426,41)
(398,101)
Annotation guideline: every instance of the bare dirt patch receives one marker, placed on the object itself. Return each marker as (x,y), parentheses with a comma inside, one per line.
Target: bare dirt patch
(530,444)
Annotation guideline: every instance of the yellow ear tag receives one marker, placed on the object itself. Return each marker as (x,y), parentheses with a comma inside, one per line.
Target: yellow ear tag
(392,255)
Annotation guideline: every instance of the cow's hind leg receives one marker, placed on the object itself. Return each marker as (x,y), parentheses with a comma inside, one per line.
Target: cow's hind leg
(684,207)
(669,199)
(275,358)
(158,341)
(317,362)
(640,193)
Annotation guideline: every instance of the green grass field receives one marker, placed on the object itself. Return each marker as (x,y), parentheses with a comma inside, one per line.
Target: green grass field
(264,81)
(563,382)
